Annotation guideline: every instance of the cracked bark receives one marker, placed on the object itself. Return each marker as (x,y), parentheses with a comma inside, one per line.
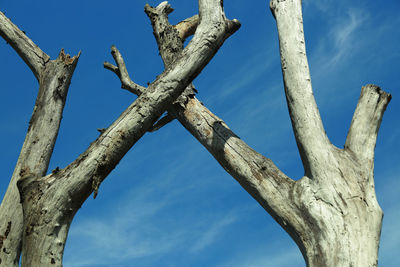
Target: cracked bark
(332,212)
(338,218)
(54,77)
(252,170)
(50,202)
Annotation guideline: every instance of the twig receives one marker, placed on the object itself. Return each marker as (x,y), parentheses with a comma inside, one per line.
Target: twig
(122,73)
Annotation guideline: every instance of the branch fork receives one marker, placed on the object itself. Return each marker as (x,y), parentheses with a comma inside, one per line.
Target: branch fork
(62,193)
(121,71)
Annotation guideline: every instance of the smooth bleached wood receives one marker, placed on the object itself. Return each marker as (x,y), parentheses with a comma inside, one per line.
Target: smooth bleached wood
(366,121)
(338,219)
(309,132)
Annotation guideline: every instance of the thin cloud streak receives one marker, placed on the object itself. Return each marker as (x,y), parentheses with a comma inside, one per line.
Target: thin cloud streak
(341,41)
(212,233)
(140,225)
(322,5)
(283,258)
(242,78)
(345,35)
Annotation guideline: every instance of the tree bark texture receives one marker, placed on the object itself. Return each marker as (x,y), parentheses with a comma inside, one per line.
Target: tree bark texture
(338,221)
(50,202)
(247,166)
(332,212)
(54,77)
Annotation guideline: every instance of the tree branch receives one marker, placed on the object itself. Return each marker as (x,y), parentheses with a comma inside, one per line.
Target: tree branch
(54,78)
(121,71)
(162,31)
(128,84)
(33,56)
(187,27)
(65,191)
(257,174)
(309,132)
(366,121)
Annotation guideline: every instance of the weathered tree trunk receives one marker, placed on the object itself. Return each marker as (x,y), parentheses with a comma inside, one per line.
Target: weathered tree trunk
(54,77)
(338,221)
(332,212)
(50,202)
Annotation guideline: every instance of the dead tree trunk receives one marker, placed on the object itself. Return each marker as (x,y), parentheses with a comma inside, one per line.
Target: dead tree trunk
(54,77)
(50,202)
(338,219)
(332,212)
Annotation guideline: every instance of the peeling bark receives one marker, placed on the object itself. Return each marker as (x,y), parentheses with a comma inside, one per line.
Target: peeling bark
(338,220)
(54,77)
(332,212)
(50,202)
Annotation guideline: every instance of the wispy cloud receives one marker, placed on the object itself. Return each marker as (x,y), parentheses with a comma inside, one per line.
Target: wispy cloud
(212,233)
(290,256)
(322,5)
(146,223)
(145,234)
(242,79)
(345,34)
(128,233)
(341,40)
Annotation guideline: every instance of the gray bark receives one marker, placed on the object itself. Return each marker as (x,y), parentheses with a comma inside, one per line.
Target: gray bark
(50,202)
(332,212)
(54,77)
(338,221)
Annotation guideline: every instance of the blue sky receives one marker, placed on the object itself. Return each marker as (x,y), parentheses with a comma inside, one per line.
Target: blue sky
(168,202)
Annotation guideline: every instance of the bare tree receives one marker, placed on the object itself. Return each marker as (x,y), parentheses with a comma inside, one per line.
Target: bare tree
(39,226)
(331,213)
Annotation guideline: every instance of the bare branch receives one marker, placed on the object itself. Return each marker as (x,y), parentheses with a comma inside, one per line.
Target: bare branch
(84,175)
(187,27)
(366,121)
(54,78)
(113,68)
(310,135)
(128,84)
(168,40)
(38,146)
(33,56)
(257,174)
(121,71)
(164,31)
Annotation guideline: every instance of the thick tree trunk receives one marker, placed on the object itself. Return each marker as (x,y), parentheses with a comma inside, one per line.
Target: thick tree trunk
(50,202)
(338,221)
(54,77)
(332,212)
